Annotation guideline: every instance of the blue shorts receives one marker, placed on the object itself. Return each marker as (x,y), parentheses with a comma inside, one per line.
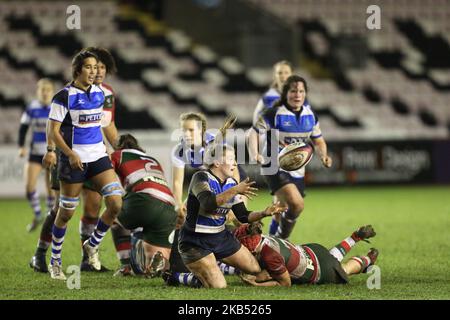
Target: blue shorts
(91,169)
(193,245)
(282,178)
(35,158)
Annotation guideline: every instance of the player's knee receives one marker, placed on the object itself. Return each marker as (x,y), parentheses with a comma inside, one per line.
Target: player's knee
(113,197)
(218,284)
(114,205)
(112,189)
(68,203)
(254,268)
(91,209)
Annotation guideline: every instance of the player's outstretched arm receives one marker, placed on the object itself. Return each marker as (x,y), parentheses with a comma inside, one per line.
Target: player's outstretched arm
(275,208)
(283,280)
(321,147)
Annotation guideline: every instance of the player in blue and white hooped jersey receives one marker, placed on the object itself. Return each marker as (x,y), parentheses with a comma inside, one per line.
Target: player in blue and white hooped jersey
(203,236)
(189,152)
(281,71)
(35,117)
(92,199)
(295,121)
(75,128)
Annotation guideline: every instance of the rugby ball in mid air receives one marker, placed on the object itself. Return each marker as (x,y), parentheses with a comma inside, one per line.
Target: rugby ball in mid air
(295,156)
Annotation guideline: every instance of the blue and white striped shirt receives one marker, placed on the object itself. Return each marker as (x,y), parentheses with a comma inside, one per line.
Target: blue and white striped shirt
(36,116)
(292,127)
(80,113)
(183,154)
(198,219)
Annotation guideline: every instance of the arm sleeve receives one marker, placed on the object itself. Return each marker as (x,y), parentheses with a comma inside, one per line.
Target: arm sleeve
(25,119)
(207,201)
(266,120)
(200,183)
(115,159)
(316,133)
(22,133)
(113,104)
(273,261)
(241,212)
(258,110)
(108,106)
(59,107)
(177,156)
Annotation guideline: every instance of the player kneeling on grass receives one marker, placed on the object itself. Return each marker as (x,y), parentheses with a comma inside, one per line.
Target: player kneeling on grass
(148,204)
(203,237)
(285,263)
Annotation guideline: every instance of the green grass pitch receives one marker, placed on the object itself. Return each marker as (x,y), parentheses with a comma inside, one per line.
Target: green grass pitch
(413,237)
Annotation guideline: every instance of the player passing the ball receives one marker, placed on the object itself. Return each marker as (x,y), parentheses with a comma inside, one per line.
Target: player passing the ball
(294,121)
(203,236)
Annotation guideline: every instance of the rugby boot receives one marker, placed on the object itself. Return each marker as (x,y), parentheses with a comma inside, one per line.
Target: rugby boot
(38,263)
(86,267)
(169,279)
(124,271)
(373,255)
(93,256)
(156,265)
(56,272)
(364,233)
(34,224)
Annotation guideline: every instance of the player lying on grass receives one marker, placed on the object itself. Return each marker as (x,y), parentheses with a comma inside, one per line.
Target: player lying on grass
(285,263)
(203,236)
(148,204)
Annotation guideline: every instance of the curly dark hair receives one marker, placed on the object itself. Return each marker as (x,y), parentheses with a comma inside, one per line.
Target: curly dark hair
(106,58)
(286,86)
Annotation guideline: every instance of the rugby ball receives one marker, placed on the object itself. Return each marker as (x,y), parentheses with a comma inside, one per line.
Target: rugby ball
(295,156)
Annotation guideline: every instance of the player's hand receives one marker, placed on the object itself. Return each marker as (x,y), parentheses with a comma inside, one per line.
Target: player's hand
(49,160)
(327,161)
(245,188)
(248,279)
(75,161)
(275,208)
(22,152)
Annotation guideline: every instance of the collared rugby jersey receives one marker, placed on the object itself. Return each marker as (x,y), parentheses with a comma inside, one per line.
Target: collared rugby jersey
(292,127)
(109,107)
(183,154)
(197,218)
(141,173)
(80,113)
(36,116)
(278,256)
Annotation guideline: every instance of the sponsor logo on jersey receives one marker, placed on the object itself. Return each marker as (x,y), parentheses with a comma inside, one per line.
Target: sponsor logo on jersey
(90,118)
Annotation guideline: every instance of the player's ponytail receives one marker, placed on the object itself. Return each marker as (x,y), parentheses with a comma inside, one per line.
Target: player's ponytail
(127,141)
(227,124)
